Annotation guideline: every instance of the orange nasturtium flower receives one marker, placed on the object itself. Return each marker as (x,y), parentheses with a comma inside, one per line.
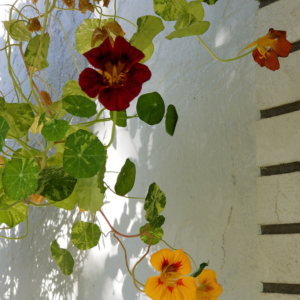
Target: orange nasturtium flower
(208,288)
(269,47)
(170,285)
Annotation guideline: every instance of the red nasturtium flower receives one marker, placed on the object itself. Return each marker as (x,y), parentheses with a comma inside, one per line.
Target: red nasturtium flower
(170,285)
(269,47)
(119,78)
(208,288)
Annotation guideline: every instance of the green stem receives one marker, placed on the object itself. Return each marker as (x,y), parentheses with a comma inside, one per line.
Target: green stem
(9,46)
(67,42)
(217,58)
(38,55)
(113,129)
(25,147)
(14,151)
(8,207)
(47,84)
(19,238)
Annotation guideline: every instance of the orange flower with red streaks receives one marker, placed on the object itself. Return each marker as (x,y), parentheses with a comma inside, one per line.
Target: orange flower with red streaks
(119,77)
(170,284)
(208,288)
(269,47)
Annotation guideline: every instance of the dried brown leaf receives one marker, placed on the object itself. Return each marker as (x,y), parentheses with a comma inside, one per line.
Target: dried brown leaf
(34,25)
(85,5)
(69,3)
(111,27)
(106,2)
(34,1)
(99,35)
(37,198)
(45,97)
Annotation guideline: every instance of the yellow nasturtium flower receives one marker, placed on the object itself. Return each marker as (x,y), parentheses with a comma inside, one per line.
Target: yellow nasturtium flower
(208,288)
(170,284)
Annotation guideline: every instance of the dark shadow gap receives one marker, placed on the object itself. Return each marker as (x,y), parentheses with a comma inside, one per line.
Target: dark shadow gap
(281,288)
(280,110)
(263,3)
(280,169)
(296,47)
(280,229)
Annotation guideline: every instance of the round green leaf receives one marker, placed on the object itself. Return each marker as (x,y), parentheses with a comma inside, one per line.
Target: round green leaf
(155,202)
(157,234)
(171,119)
(83,154)
(63,258)
(126,178)
(166,9)
(20,178)
(55,184)
(151,108)
(148,53)
(17,30)
(55,130)
(79,106)
(85,235)
(31,52)
(4,127)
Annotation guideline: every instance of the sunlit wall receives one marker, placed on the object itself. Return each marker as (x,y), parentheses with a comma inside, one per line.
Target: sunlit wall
(207,169)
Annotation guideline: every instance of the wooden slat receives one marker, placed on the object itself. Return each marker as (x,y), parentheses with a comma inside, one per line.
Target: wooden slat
(278,140)
(279,258)
(280,15)
(269,296)
(278,199)
(280,88)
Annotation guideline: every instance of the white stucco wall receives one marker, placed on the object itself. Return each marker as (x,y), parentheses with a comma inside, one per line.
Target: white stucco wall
(207,170)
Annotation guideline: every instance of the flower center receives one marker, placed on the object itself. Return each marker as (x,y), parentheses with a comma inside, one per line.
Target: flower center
(169,277)
(114,75)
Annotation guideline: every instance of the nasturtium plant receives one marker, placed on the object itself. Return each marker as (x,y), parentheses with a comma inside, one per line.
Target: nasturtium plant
(17,30)
(79,106)
(151,108)
(4,127)
(34,57)
(20,178)
(55,130)
(155,202)
(171,119)
(52,151)
(55,184)
(63,258)
(126,178)
(19,117)
(83,154)
(85,235)
(156,233)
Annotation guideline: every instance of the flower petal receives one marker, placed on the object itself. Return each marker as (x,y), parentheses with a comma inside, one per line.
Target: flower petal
(271,61)
(115,99)
(277,34)
(90,82)
(208,283)
(155,289)
(186,288)
(183,262)
(162,258)
(137,75)
(99,56)
(283,48)
(125,53)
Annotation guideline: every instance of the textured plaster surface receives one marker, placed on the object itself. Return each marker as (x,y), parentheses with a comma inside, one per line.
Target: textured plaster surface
(278,140)
(207,170)
(278,199)
(280,15)
(280,88)
(279,258)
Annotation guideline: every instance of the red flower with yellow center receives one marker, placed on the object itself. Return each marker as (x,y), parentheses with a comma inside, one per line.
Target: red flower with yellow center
(119,77)
(269,47)
(208,288)
(170,285)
